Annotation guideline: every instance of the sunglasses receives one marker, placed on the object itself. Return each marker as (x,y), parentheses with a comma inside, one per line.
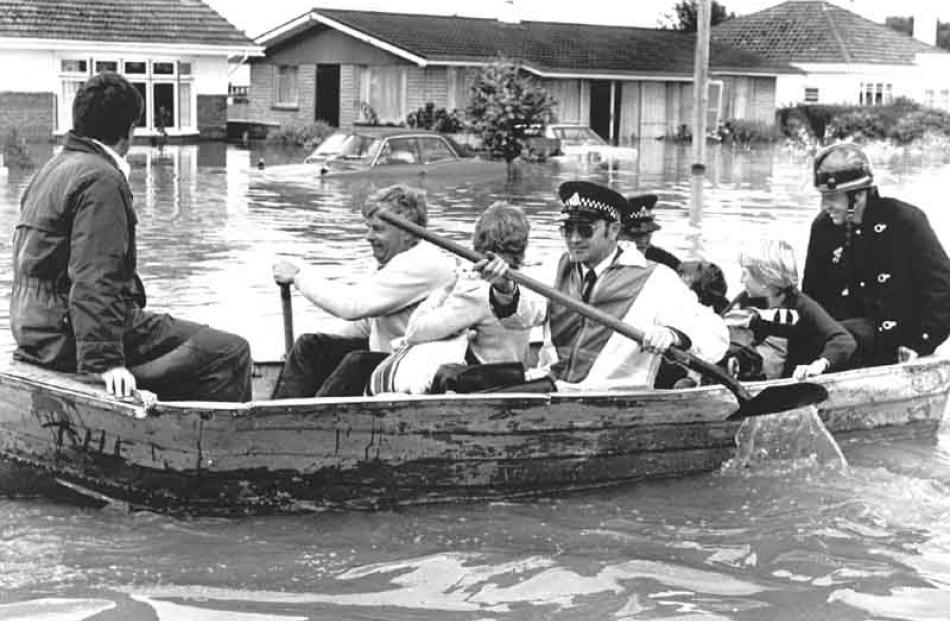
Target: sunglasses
(584,229)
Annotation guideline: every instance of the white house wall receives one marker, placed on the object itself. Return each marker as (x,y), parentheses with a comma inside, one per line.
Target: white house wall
(841,83)
(28,71)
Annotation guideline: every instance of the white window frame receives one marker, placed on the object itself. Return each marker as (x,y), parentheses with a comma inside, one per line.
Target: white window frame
(811,95)
(293,101)
(876,93)
(366,80)
(149,78)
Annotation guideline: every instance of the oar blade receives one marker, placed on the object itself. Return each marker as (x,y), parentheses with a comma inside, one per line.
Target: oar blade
(775,399)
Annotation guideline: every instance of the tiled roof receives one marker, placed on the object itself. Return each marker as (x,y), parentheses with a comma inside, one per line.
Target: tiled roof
(814,31)
(144,21)
(546,46)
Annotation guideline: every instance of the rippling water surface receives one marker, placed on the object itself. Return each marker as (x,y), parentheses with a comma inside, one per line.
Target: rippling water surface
(780,543)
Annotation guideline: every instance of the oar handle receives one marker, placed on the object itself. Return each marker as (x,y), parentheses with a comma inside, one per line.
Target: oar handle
(595,314)
(288,312)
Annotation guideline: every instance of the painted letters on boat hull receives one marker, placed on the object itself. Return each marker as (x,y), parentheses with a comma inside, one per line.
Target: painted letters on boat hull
(308,454)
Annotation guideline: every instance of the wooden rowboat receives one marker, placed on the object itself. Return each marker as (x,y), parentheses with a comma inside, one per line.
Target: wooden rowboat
(309,454)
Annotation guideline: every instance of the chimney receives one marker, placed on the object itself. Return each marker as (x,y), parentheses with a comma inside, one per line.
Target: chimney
(925,26)
(508,14)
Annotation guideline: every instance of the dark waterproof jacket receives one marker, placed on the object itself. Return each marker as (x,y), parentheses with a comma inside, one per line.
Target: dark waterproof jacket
(894,272)
(75,290)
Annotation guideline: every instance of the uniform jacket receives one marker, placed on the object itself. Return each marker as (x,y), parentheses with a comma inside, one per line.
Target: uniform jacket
(894,272)
(378,306)
(75,289)
(637,291)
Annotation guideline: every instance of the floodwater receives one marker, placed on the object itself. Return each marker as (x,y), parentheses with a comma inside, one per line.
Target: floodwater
(776,543)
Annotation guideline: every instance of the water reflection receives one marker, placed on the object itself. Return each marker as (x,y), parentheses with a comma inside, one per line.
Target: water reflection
(813,544)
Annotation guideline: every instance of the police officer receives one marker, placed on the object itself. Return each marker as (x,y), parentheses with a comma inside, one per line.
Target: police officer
(875,263)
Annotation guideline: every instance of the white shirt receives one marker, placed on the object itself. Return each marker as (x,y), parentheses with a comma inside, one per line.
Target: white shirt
(120,161)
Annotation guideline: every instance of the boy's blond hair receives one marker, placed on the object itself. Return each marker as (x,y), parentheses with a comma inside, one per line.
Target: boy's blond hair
(772,262)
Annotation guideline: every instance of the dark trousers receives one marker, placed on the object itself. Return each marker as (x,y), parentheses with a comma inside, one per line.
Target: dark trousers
(324,365)
(350,377)
(182,360)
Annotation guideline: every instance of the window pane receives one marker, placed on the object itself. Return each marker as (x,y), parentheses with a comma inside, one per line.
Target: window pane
(70,88)
(386,94)
(73,66)
(106,65)
(435,150)
(286,89)
(399,151)
(143,91)
(163,106)
(184,105)
(135,67)
(184,68)
(163,68)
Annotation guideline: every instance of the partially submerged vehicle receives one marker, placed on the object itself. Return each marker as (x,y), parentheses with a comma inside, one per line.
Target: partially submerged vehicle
(582,144)
(385,451)
(388,154)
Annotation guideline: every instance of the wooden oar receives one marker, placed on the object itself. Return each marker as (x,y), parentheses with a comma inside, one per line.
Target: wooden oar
(288,311)
(772,399)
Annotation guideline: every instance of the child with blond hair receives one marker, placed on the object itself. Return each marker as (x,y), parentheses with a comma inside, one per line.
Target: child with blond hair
(815,342)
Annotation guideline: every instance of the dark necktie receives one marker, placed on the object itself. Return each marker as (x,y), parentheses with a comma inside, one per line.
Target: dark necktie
(589,279)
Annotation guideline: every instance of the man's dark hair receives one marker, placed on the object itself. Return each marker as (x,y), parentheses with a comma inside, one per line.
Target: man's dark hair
(106,106)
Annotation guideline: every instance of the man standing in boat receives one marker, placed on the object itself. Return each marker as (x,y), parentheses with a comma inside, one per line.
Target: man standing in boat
(875,263)
(77,302)
(376,308)
(617,281)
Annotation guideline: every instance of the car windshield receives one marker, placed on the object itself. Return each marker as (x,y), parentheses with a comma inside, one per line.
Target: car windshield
(346,146)
(578,135)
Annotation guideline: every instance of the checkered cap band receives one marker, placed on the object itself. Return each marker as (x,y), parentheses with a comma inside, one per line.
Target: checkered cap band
(577,203)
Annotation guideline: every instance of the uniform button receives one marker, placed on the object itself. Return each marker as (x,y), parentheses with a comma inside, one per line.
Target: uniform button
(883,277)
(861,283)
(844,292)
(857,231)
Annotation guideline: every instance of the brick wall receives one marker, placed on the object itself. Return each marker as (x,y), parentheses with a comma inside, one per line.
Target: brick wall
(425,85)
(212,116)
(262,107)
(31,114)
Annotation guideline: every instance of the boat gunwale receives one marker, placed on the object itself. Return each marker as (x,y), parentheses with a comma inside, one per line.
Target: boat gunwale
(91,394)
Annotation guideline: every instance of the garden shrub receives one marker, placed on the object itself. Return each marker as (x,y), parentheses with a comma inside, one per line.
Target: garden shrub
(435,119)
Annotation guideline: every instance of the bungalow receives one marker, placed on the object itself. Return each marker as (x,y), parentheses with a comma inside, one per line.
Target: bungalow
(346,67)
(175,52)
(843,57)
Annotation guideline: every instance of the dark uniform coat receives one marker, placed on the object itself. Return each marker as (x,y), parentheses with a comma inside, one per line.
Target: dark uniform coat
(894,273)
(74,283)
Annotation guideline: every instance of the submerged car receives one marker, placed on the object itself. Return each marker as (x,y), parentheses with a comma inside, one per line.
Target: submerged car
(580,142)
(390,153)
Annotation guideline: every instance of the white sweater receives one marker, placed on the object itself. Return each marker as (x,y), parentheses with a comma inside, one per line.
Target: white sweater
(379,305)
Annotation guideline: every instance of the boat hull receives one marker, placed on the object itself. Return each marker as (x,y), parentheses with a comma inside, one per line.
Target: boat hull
(311,454)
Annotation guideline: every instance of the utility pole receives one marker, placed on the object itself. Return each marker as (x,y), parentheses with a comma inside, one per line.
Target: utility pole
(700,104)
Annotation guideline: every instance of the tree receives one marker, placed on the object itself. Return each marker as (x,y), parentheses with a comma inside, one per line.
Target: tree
(685,15)
(905,25)
(505,106)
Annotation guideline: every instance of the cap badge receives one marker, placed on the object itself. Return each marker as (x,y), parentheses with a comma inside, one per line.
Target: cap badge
(574,200)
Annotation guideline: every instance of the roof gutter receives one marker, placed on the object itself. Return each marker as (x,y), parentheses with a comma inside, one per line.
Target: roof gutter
(70,45)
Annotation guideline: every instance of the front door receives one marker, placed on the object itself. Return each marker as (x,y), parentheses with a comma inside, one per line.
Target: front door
(328,95)
(600,108)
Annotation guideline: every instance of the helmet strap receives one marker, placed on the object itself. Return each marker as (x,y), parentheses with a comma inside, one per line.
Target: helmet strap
(849,217)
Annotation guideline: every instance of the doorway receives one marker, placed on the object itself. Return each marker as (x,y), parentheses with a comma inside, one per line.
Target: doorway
(605,98)
(327,107)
